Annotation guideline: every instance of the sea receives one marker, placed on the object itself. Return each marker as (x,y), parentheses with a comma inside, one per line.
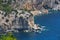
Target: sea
(51,21)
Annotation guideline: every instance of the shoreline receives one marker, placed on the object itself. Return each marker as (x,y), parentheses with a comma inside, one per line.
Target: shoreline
(25,15)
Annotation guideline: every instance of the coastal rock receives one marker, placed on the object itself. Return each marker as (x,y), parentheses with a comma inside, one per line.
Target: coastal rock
(21,17)
(20,20)
(32,4)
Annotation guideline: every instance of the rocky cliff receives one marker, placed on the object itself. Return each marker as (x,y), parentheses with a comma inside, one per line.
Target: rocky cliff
(32,4)
(17,20)
(36,4)
(19,14)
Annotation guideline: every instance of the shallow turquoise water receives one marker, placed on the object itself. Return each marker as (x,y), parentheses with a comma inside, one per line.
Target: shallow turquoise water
(52,23)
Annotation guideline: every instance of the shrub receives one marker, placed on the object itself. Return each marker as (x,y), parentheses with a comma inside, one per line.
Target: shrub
(8,36)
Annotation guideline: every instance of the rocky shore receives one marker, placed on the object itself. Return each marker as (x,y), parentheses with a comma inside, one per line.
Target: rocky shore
(18,20)
(19,14)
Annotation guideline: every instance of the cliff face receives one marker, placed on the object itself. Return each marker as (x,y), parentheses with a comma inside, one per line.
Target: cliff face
(32,4)
(22,13)
(36,4)
(21,20)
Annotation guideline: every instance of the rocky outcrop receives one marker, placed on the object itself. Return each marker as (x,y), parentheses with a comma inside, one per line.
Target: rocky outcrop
(17,20)
(22,15)
(33,4)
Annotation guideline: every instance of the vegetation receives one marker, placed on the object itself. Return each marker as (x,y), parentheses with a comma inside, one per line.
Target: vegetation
(8,36)
(5,7)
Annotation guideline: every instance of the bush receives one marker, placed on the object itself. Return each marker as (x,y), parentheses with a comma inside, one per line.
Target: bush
(5,7)
(8,36)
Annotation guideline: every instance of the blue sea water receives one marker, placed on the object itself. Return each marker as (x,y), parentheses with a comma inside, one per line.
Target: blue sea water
(52,23)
